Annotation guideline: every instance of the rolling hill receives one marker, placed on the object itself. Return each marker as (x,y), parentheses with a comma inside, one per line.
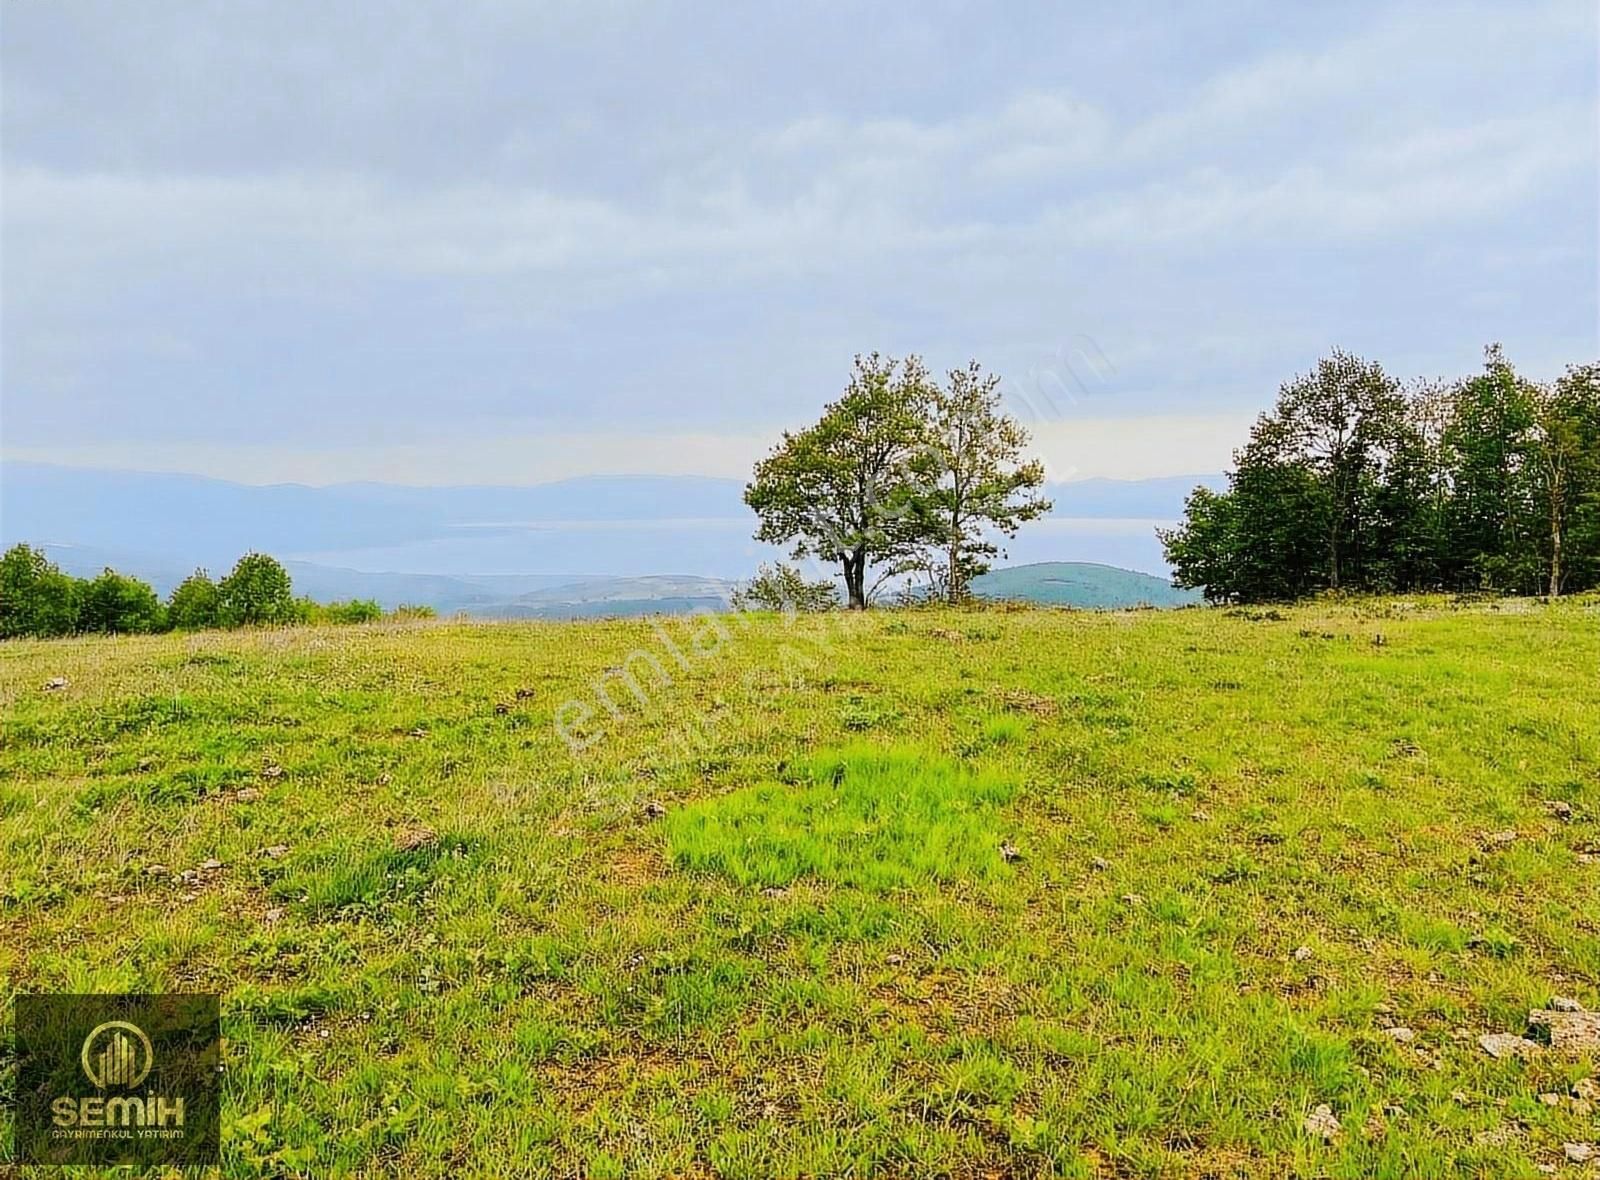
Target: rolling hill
(1081,583)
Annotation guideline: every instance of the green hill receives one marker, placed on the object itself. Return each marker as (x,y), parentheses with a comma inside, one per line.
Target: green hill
(1080,583)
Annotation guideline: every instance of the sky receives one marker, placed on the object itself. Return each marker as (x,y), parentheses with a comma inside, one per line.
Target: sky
(442,243)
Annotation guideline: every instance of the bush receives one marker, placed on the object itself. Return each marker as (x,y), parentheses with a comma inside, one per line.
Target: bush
(36,598)
(782,587)
(258,592)
(120,605)
(357,610)
(195,603)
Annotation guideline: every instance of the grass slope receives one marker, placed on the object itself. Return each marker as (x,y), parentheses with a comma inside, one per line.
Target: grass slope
(1080,583)
(1006,892)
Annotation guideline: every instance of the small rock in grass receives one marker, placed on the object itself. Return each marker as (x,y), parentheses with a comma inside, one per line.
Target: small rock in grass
(1501,1045)
(1580,1153)
(156,870)
(1010,852)
(275,914)
(410,839)
(418,732)
(247,795)
(55,684)
(1559,808)
(1401,1034)
(894,960)
(1100,864)
(1565,1004)
(275,851)
(1500,839)
(1550,1099)
(1567,1031)
(501,708)
(1133,898)
(1323,1123)
(210,865)
(272,770)
(655,809)
(384,780)
(1301,954)
(525,694)
(1200,815)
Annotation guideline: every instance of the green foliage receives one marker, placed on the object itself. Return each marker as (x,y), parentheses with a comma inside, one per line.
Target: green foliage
(257,592)
(782,587)
(119,605)
(36,598)
(971,480)
(1204,550)
(840,490)
(903,474)
(195,603)
(357,610)
(1492,483)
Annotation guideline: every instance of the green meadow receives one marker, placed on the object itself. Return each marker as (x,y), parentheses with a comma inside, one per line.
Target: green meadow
(1001,892)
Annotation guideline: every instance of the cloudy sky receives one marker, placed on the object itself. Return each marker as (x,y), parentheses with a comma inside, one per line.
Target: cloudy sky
(457,242)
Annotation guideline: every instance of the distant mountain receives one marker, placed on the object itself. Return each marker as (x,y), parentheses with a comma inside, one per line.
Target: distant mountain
(1080,583)
(568,596)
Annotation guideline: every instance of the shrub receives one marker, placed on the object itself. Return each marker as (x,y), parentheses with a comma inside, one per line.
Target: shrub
(36,598)
(357,610)
(195,603)
(257,592)
(120,605)
(782,587)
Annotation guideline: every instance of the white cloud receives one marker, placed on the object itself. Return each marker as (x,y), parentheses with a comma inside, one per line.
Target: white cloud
(1071,448)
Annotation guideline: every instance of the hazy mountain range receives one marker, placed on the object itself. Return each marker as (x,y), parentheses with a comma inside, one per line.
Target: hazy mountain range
(563,548)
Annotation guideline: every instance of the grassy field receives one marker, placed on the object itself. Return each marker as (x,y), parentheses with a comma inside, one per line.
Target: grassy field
(1008,892)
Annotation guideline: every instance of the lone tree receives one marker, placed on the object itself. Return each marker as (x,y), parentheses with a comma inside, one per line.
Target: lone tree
(971,478)
(842,490)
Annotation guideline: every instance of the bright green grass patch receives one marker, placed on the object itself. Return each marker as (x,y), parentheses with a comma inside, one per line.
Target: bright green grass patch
(877,819)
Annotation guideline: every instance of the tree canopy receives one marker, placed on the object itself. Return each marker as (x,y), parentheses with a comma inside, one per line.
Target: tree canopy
(900,476)
(1353,482)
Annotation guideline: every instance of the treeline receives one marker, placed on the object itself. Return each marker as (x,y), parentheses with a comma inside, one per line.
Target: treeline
(37,599)
(1354,482)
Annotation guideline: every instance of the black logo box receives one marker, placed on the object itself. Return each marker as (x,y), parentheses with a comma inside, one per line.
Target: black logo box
(179,1056)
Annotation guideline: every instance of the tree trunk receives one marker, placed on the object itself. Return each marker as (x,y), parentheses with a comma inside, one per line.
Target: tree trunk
(1555,556)
(855,576)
